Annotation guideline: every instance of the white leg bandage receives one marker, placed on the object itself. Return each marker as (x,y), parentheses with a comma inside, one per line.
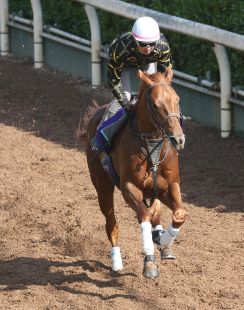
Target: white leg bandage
(147,243)
(116,259)
(169,236)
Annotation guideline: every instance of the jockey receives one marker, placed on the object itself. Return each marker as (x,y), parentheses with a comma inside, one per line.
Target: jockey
(143,48)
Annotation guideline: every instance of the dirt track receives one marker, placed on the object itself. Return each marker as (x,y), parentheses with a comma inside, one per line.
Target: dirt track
(54,250)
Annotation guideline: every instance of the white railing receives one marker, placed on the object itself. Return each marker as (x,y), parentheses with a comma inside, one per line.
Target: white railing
(173,23)
(4,36)
(220,38)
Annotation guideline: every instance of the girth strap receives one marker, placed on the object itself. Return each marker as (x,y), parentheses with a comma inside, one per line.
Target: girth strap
(154,148)
(151,146)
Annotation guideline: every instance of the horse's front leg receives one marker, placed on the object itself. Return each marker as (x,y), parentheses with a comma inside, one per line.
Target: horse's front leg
(134,197)
(172,198)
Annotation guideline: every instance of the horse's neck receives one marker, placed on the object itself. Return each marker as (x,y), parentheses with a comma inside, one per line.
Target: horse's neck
(142,117)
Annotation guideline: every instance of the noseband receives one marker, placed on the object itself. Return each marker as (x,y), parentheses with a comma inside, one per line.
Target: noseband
(157,123)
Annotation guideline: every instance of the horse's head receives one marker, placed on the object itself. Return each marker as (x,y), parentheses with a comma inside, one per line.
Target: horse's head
(163,105)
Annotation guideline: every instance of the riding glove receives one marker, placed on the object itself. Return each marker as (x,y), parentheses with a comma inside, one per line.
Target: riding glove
(127,105)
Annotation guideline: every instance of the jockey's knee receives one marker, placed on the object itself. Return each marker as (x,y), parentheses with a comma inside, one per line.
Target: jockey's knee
(179,217)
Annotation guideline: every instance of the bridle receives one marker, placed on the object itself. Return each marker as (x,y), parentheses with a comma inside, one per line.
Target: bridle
(153,152)
(156,122)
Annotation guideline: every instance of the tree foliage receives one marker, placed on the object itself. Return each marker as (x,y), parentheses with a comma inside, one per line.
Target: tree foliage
(190,55)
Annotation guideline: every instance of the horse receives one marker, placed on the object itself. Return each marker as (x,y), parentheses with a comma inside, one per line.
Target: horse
(145,158)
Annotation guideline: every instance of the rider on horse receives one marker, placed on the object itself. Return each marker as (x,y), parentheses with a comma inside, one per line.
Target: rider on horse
(143,48)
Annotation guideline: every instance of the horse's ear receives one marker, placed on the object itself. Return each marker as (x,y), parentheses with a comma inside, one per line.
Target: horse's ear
(140,73)
(142,76)
(169,74)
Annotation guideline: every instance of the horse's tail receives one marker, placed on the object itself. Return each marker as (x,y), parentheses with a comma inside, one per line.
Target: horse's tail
(84,118)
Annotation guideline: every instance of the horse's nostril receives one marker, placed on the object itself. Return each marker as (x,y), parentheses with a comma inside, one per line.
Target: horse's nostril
(180,141)
(173,140)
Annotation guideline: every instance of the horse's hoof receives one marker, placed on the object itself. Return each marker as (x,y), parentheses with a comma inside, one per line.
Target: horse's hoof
(166,253)
(150,269)
(151,272)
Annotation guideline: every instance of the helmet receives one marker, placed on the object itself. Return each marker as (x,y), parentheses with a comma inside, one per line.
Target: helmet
(146,29)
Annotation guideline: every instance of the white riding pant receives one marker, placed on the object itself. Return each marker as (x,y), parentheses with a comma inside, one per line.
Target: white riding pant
(114,105)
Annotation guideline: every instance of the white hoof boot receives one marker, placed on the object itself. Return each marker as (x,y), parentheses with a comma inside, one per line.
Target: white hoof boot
(116,259)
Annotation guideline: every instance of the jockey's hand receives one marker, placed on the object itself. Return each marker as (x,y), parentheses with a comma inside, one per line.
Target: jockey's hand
(125,104)
(128,105)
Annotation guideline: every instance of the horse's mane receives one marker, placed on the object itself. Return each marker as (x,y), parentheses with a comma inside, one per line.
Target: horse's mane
(157,77)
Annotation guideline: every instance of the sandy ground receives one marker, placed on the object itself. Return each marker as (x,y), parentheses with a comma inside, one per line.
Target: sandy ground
(54,253)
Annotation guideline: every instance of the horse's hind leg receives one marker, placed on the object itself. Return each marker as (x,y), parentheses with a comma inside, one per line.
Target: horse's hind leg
(105,191)
(105,198)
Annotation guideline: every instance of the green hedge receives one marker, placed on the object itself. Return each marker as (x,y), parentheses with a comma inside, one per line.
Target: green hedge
(190,55)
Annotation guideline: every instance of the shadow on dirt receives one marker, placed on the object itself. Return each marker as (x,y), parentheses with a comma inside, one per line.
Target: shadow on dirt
(49,104)
(19,273)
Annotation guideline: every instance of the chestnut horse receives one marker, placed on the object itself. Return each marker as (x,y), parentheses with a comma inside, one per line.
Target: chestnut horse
(145,158)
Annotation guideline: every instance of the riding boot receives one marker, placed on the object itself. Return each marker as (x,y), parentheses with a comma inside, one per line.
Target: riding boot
(107,130)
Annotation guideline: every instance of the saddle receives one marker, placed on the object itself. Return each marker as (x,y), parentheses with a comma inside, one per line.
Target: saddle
(107,130)
(105,136)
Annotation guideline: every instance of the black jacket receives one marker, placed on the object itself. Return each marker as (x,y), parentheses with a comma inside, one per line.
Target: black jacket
(124,53)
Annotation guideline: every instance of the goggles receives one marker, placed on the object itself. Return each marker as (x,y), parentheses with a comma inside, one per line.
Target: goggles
(145,44)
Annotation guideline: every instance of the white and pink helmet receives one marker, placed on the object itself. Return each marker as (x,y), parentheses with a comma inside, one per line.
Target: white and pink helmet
(146,29)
